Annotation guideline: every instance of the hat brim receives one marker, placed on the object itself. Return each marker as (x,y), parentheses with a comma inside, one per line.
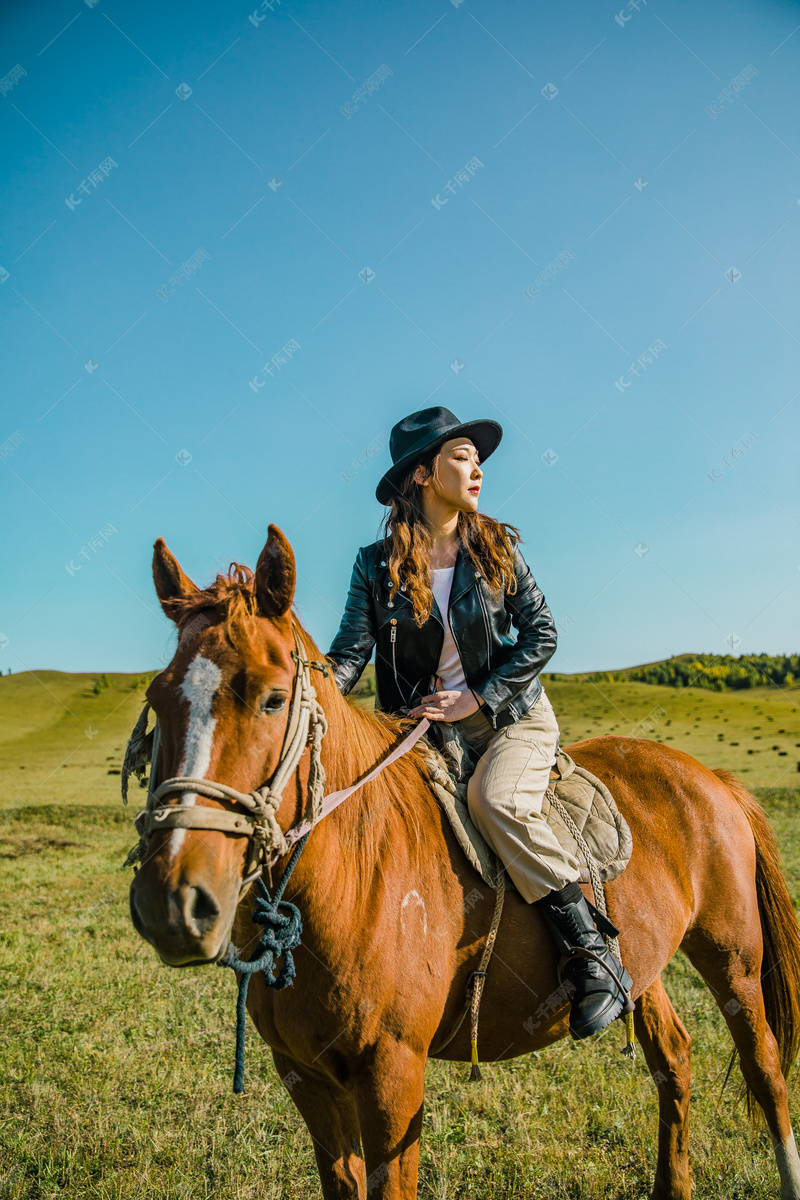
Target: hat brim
(486,435)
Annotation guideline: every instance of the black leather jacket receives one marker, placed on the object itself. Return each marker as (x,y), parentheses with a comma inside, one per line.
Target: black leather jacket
(504,672)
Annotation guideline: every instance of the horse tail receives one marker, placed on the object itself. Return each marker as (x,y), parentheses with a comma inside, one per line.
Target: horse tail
(780,968)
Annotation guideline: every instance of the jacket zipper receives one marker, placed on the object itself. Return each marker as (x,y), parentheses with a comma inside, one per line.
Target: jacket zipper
(493,718)
(394,668)
(453,632)
(394,660)
(486,627)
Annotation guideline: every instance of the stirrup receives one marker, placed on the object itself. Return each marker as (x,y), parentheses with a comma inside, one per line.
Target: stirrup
(584,952)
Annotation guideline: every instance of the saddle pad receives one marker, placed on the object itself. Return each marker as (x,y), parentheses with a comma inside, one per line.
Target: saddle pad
(585,797)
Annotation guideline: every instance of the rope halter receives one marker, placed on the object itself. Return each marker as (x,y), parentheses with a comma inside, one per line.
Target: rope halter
(267,841)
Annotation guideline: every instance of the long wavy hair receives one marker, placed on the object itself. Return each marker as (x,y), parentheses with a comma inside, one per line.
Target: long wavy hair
(407,542)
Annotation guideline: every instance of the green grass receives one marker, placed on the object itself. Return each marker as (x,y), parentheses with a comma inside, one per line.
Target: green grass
(61,742)
(116,1071)
(754,732)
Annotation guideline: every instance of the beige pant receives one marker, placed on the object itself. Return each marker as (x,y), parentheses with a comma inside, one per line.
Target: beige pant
(505,796)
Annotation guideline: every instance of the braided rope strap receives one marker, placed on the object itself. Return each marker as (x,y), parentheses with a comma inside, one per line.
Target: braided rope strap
(476,980)
(316,774)
(479,976)
(592,864)
(259,822)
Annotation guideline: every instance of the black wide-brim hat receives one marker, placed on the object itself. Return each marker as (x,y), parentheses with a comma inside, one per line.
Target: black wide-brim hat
(412,437)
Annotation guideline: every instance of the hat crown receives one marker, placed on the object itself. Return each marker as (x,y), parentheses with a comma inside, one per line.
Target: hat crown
(419,430)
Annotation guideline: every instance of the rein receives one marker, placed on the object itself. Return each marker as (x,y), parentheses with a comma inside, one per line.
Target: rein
(267,841)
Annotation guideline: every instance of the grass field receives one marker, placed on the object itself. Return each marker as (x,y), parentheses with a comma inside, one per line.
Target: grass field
(116,1071)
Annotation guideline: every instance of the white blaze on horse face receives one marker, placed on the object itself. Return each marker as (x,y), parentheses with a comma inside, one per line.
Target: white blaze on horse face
(199,687)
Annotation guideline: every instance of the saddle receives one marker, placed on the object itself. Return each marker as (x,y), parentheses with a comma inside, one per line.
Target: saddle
(577,805)
(584,817)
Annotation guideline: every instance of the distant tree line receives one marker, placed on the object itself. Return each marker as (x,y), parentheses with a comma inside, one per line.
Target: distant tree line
(716,672)
(142,681)
(108,681)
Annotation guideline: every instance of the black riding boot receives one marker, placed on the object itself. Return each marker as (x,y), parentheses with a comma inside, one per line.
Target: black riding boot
(597,999)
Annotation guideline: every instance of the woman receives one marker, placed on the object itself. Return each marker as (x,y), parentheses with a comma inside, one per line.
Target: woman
(436,596)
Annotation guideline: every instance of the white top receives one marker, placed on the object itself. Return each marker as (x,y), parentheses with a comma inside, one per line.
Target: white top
(450,668)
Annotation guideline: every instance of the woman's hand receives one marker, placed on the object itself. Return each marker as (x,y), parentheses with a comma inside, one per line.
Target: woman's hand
(445,706)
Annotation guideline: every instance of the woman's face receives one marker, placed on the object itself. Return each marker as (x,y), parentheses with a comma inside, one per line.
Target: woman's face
(457,476)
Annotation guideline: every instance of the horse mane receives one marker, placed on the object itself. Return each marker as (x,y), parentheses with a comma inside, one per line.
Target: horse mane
(232,596)
(386,813)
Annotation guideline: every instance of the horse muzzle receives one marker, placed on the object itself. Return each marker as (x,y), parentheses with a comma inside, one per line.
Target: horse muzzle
(187,924)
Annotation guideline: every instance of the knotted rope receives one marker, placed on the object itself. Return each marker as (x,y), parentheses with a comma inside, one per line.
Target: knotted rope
(282,929)
(476,980)
(138,753)
(591,863)
(479,976)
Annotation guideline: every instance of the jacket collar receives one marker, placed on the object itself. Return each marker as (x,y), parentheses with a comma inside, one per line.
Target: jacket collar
(464,576)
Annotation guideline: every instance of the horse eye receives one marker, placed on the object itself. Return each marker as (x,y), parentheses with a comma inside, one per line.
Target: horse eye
(273,703)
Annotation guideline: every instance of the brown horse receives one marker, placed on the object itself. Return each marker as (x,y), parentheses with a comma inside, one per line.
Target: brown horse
(388,942)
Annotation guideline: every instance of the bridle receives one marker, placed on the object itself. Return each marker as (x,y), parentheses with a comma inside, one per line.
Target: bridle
(267,841)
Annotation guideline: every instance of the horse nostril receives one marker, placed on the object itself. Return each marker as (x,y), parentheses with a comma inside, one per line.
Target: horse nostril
(136,919)
(202,908)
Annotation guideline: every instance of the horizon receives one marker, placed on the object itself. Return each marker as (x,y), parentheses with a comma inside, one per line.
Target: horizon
(595,670)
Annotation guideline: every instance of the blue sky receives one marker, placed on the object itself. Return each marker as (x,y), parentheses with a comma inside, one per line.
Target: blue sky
(241,243)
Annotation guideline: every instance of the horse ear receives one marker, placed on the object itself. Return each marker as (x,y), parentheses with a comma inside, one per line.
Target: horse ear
(170,582)
(275,575)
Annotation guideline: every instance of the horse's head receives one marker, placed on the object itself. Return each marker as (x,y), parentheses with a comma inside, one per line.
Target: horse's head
(222,706)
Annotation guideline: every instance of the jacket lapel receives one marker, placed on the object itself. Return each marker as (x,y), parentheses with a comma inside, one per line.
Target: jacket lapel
(464,578)
(464,575)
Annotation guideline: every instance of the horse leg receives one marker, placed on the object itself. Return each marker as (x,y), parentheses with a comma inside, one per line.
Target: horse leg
(330,1116)
(389,1093)
(667,1051)
(735,978)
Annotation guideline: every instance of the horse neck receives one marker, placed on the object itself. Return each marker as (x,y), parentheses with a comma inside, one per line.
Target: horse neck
(348,845)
